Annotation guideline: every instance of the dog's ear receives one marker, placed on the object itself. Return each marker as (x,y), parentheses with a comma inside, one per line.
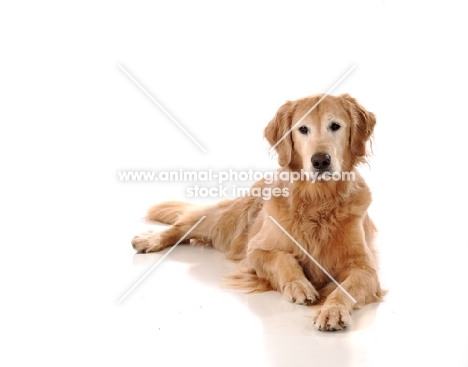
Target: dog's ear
(276,130)
(362,128)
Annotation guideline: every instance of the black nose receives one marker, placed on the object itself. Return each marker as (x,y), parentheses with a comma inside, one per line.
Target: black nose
(321,161)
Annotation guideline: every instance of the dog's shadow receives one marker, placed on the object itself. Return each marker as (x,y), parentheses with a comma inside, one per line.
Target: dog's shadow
(287,328)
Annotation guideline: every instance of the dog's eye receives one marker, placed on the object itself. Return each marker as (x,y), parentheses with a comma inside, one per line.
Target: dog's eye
(334,126)
(304,130)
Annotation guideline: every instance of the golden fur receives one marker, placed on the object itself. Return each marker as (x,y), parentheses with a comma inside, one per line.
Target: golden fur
(328,218)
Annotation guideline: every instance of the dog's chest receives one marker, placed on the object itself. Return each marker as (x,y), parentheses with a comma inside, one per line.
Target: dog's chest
(318,223)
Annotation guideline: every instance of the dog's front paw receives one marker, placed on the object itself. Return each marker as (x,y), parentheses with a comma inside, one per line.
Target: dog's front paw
(332,318)
(147,242)
(301,292)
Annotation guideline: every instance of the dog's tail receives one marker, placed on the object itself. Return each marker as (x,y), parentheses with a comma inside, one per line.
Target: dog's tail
(167,212)
(247,280)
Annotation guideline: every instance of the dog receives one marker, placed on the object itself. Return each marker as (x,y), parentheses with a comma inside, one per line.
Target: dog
(337,264)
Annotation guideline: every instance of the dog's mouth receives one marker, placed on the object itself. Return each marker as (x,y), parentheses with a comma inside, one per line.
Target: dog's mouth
(322,172)
(322,175)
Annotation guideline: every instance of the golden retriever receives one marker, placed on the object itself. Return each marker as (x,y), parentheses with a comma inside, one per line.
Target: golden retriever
(327,218)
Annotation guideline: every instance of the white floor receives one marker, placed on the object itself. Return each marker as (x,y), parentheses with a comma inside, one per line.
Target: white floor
(71,119)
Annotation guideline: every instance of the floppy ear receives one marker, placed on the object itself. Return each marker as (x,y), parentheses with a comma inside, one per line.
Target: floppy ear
(276,130)
(362,127)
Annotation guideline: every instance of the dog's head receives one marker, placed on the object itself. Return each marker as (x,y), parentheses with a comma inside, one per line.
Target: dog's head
(332,137)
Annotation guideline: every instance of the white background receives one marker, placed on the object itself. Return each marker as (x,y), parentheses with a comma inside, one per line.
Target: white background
(71,119)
